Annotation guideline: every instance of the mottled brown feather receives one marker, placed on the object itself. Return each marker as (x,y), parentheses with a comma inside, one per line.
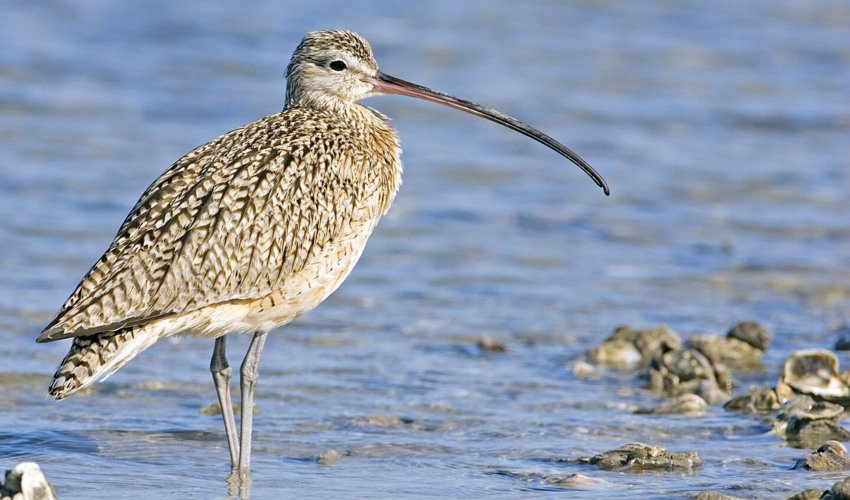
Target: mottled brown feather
(246,232)
(234,218)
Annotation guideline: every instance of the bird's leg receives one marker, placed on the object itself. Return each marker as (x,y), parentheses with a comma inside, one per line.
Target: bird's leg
(249,377)
(221,373)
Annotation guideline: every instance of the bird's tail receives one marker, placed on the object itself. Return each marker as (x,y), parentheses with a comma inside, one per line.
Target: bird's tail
(96,357)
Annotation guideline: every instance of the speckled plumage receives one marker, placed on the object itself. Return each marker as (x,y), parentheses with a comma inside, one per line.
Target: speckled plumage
(253,229)
(244,233)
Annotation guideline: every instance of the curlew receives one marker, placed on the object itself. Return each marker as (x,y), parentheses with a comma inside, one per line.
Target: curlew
(253,229)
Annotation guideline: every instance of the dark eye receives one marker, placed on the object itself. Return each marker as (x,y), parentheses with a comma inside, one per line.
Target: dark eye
(337,65)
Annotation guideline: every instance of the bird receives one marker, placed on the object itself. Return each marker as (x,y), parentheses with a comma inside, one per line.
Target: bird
(253,229)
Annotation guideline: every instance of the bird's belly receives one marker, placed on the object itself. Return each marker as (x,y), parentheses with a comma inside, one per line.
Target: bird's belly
(304,290)
(323,272)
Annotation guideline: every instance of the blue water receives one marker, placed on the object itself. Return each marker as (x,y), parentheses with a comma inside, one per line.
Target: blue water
(722,128)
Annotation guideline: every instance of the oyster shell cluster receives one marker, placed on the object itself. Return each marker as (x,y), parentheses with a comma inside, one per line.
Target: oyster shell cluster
(810,372)
(809,399)
(741,349)
(804,422)
(693,374)
(636,457)
(804,407)
(689,371)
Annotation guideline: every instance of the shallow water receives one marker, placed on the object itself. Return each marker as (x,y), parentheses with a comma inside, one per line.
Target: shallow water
(722,130)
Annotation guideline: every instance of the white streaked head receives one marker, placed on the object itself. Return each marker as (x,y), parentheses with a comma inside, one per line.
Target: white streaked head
(334,69)
(330,67)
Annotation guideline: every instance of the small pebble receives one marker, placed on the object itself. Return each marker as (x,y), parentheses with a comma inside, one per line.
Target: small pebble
(575,481)
(489,344)
(713,495)
(686,404)
(381,421)
(329,457)
(215,409)
(583,370)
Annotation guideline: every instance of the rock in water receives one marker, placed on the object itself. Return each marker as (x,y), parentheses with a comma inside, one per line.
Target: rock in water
(751,333)
(686,404)
(839,491)
(804,422)
(758,400)
(809,494)
(830,456)
(637,457)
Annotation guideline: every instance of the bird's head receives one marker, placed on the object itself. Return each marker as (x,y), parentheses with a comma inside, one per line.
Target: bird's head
(330,67)
(334,69)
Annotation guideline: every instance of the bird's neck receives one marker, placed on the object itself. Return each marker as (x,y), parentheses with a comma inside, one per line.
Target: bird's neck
(371,131)
(319,101)
(351,112)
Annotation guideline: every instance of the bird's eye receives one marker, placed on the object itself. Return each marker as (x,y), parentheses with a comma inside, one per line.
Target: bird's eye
(337,65)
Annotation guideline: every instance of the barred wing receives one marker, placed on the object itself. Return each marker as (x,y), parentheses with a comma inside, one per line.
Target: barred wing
(230,220)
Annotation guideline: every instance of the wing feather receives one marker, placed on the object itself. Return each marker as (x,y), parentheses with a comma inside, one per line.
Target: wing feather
(230,220)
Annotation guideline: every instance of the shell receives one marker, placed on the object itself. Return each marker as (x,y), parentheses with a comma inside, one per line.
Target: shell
(814,372)
(752,333)
(648,340)
(616,354)
(733,352)
(758,400)
(628,347)
(687,370)
(806,408)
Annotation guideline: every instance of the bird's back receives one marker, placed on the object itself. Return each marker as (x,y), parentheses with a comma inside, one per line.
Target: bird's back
(246,218)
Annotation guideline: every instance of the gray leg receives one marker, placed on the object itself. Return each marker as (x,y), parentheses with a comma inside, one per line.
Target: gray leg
(221,373)
(249,377)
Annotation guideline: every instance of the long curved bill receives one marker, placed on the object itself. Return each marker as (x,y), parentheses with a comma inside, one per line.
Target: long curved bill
(387,84)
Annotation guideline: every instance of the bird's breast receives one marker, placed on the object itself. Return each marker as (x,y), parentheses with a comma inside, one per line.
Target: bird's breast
(322,274)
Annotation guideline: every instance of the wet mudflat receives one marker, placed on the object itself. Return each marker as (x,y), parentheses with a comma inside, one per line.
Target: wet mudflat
(450,362)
